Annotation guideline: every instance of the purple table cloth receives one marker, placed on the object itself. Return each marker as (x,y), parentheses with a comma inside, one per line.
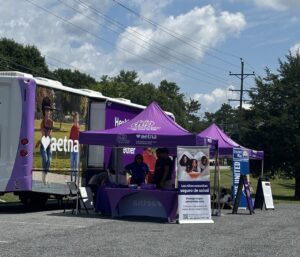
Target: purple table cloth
(168,199)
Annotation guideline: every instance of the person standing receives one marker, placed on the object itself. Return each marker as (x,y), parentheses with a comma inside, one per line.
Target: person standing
(163,169)
(138,170)
(150,159)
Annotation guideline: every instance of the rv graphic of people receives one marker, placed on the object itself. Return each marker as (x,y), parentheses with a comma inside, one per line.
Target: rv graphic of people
(192,166)
(74,135)
(46,131)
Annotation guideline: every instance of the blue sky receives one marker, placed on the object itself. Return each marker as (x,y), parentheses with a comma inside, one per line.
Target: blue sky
(191,42)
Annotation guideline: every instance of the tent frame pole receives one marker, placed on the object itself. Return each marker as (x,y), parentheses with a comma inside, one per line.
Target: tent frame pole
(216,205)
(215,196)
(77,182)
(262,168)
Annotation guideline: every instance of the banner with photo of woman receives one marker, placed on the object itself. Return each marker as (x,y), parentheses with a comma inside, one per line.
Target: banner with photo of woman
(194,203)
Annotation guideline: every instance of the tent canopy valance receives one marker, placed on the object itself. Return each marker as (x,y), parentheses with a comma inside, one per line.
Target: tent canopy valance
(226,144)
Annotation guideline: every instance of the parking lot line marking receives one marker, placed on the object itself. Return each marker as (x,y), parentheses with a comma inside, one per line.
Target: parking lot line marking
(45,224)
(4,242)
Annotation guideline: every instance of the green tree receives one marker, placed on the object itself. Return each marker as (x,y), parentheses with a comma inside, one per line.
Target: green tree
(28,59)
(274,120)
(75,79)
(226,118)
(167,95)
(192,111)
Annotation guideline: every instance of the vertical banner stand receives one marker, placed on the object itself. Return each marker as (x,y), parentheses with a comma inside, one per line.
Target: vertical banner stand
(243,184)
(194,199)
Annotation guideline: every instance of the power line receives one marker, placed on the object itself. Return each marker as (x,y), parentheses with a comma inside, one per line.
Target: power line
(176,35)
(111,43)
(120,25)
(70,65)
(159,53)
(8,61)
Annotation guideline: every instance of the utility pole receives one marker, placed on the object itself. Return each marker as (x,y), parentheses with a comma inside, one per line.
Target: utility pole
(241,76)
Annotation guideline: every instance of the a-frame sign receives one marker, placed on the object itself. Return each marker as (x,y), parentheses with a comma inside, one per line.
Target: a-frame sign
(243,186)
(264,195)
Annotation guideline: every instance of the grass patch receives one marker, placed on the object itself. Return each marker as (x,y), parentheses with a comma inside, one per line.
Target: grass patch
(9,197)
(60,160)
(282,189)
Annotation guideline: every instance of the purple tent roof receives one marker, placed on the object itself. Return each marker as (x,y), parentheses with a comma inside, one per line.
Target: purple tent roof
(226,144)
(152,127)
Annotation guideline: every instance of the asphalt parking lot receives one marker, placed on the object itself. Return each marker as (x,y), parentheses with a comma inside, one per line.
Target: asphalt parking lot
(54,233)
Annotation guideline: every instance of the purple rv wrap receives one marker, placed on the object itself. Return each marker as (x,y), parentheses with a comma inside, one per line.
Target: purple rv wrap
(21,177)
(116,115)
(226,144)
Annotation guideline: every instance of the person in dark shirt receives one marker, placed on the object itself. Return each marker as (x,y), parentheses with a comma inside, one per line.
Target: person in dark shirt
(163,169)
(138,170)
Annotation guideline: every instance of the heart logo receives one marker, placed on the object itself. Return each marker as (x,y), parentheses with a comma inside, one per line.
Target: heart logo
(46,142)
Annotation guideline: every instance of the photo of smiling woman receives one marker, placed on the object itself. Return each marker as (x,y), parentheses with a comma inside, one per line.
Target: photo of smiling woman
(46,130)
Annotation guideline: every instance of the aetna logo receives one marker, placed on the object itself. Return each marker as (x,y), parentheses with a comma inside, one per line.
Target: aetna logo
(119,122)
(60,145)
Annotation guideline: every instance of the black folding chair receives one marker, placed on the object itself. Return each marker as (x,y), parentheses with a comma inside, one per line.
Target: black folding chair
(75,195)
(86,198)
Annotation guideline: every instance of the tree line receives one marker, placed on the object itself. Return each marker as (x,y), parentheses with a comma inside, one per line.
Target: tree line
(271,124)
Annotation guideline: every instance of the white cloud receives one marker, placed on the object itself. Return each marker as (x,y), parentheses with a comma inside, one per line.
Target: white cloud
(55,38)
(157,75)
(203,25)
(295,48)
(279,5)
(211,102)
(28,24)
(150,8)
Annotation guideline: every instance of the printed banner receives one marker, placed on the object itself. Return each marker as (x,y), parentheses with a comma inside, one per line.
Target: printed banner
(240,167)
(194,204)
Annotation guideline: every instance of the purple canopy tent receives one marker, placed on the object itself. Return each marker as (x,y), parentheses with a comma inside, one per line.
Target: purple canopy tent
(151,128)
(226,144)
(225,147)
